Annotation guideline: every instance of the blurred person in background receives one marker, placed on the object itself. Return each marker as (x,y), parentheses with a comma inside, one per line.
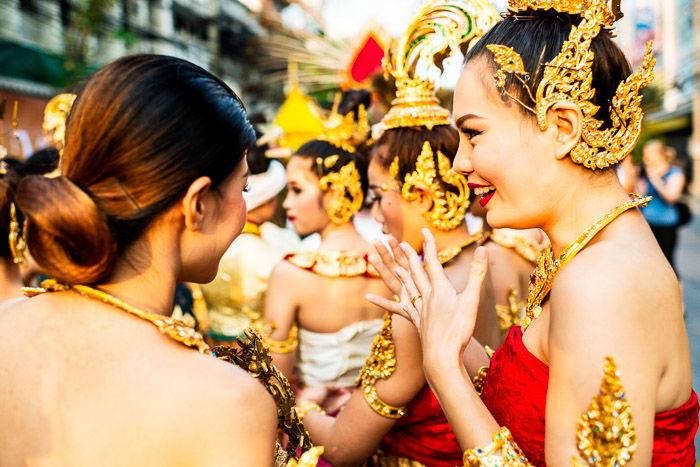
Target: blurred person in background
(665,182)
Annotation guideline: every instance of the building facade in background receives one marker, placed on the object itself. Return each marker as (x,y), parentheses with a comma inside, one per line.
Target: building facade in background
(46,46)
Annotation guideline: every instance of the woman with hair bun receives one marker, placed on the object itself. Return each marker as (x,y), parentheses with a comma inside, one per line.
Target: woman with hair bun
(150,195)
(599,372)
(323,331)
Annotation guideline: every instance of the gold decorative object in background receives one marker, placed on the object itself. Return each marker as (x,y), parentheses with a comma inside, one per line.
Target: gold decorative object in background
(55,114)
(345,131)
(440,28)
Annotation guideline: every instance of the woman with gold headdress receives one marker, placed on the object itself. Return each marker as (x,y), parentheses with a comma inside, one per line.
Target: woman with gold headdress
(394,418)
(318,323)
(541,141)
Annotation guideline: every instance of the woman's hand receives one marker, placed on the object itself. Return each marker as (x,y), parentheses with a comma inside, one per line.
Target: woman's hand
(445,319)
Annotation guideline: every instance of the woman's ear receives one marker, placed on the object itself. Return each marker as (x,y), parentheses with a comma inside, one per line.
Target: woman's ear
(566,120)
(423,197)
(194,209)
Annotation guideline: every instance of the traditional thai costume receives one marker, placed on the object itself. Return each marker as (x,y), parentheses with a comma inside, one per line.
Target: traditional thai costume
(514,387)
(421,435)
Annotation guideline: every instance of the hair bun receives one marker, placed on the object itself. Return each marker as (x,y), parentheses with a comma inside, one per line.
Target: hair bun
(67,233)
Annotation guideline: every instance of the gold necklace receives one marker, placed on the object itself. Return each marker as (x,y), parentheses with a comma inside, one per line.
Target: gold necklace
(448,254)
(547,268)
(171,327)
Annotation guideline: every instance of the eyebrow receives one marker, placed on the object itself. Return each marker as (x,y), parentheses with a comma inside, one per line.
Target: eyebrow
(466,117)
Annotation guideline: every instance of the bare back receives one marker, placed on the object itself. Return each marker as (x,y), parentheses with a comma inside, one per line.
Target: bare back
(86,384)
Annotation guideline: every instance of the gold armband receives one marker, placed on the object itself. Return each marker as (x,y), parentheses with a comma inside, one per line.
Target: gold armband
(288,345)
(306,407)
(502,452)
(380,364)
(479,379)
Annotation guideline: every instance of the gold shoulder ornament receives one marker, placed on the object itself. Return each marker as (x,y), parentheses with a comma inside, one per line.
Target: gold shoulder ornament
(330,263)
(569,78)
(345,186)
(605,434)
(380,364)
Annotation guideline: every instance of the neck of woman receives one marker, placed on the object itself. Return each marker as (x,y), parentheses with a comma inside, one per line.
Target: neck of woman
(340,237)
(578,208)
(451,238)
(10,280)
(146,275)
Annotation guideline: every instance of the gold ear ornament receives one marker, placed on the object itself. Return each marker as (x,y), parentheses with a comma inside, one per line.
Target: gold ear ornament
(345,186)
(449,208)
(569,78)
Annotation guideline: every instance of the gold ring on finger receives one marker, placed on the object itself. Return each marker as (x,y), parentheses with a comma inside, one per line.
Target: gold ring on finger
(413,300)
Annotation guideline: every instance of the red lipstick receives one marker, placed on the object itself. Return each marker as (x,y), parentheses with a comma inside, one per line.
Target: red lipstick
(486,198)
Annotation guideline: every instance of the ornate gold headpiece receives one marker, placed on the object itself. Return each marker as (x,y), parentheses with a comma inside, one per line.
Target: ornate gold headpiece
(569,78)
(449,209)
(441,28)
(344,131)
(55,114)
(345,186)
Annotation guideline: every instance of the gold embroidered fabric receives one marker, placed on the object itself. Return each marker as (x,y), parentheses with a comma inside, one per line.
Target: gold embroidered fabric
(479,379)
(509,315)
(547,268)
(380,364)
(333,263)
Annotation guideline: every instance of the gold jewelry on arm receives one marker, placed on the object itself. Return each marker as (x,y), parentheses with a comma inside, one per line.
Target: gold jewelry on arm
(479,379)
(502,452)
(306,407)
(380,364)
(288,345)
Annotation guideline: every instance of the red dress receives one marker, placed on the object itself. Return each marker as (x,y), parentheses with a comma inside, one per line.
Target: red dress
(515,392)
(423,434)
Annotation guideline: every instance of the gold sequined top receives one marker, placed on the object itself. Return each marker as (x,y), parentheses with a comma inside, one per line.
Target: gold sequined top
(236,297)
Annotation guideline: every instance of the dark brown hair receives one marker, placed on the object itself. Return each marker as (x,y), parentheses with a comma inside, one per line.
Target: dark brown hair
(140,132)
(407,143)
(538,36)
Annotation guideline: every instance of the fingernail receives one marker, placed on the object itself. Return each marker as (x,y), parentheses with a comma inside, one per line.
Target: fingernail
(372,258)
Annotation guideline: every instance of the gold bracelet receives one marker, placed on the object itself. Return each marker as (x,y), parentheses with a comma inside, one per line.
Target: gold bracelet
(306,407)
(379,406)
(502,452)
(288,345)
(479,379)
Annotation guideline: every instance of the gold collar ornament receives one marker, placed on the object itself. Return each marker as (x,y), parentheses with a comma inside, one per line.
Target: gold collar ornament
(333,264)
(441,28)
(250,354)
(345,186)
(547,267)
(569,78)
(449,208)
(345,131)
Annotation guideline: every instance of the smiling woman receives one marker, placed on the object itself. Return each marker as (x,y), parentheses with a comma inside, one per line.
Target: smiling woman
(545,107)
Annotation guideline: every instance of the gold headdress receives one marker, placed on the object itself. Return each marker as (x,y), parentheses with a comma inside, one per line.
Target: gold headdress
(441,28)
(569,78)
(343,131)
(449,209)
(55,114)
(345,186)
